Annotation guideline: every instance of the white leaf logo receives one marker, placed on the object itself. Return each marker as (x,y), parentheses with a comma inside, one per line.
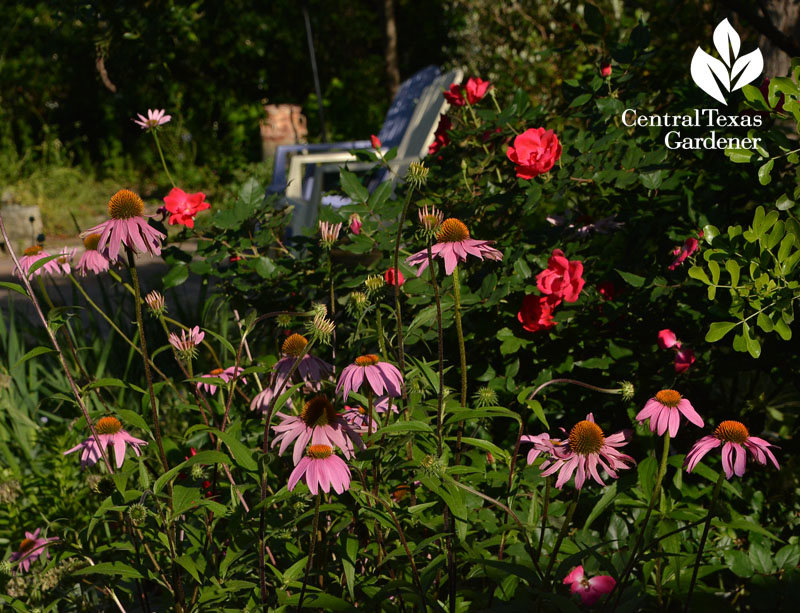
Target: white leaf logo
(709,73)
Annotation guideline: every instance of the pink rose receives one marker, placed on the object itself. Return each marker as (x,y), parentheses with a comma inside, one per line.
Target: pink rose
(355,223)
(537,312)
(535,151)
(605,70)
(376,142)
(562,279)
(684,358)
(667,339)
(390,278)
(476,89)
(183,207)
(690,245)
(590,590)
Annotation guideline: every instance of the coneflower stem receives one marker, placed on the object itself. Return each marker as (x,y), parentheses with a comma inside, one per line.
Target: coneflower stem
(333,309)
(545,507)
(440,331)
(462,355)
(161,154)
(662,469)
(401,356)
(706,528)
(561,534)
(310,550)
(379,330)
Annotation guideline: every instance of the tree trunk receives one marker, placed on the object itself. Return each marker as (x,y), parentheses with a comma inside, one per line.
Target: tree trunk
(392,68)
(785,16)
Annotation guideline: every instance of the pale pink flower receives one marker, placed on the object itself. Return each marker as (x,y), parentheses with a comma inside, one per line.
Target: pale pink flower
(381,376)
(226,374)
(329,232)
(32,255)
(311,369)
(358,418)
(735,439)
(67,254)
(583,451)
(262,400)
(321,469)
(317,424)
(590,590)
(667,339)
(155,118)
(541,444)
(109,431)
(453,244)
(186,344)
(30,549)
(126,228)
(91,259)
(664,411)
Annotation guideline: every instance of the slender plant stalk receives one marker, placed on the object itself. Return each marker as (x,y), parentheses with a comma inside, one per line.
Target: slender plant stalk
(379,331)
(545,508)
(662,469)
(161,154)
(310,550)
(462,355)
(440,332)
(26,282)
(561,534)
(401,355)
(703,538)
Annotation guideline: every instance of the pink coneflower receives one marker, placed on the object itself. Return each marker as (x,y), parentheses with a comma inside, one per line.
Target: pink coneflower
(262,400)
(155,118)
(320,468)
(184,207)
(34,254)
(226,374)
(454,245)
(590,590)
(665,410)
(319,424)
(329,232)
(186,344)
(109,431)
(91,259)
(126,227)
(381,376)
(65,260)
(30,549)
(542,443)
(311,369)
(734,438)
(585,449)
(155,302)
(359,420)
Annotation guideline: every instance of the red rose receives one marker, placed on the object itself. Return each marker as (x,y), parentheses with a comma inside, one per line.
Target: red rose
(535,151)
(440,138)
(690,245)
(476,89)
(376,142)
(183,207)
(605,70)
(453,95)
(684,358)
(537,312)
(562,279)
(389,276)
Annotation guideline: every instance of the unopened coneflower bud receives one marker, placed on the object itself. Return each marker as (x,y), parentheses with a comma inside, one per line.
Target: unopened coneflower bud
(105,486)
(357,302)
(186,344)
(321,329)
(285,321)
(417,174)
(137,514)
(430,218)
(485,397)
(5,568)
(432,466)
(198,471)
(329,233)
(627,390)
(319,308)
(374,283)
(155,302)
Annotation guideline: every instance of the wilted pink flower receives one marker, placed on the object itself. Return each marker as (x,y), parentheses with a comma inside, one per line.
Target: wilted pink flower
(690,245)
(665,410)
(321,469)
(311,369)
(684,358)
(91,259)
(735,439)
(534,152)
(585,449)
(590,590)
(126,228)
(376,142)
(355,223)
(30,549)
(317,424)
(453,244)
(186,344)
(537,312)
(262,400)
(391,277)
(226,375)
(184,207)
(34,254)
(329,233)
(381,376)
(155,118)
(667,339)
(440,137)
(110,433)
(562,279)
